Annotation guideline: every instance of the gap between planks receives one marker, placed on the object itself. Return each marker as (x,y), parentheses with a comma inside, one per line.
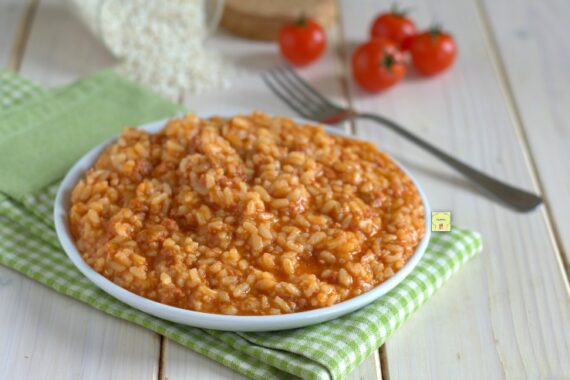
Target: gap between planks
(161,358)
(505,84)
(384,367)
(381,355)
(342,53)
(21,39)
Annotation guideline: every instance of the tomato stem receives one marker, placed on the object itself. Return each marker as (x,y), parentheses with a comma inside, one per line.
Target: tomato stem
(399,12)
(389,60)
(435,30)
(302,20)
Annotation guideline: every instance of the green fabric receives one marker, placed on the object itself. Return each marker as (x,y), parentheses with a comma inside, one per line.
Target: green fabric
(331,350)
(68,121)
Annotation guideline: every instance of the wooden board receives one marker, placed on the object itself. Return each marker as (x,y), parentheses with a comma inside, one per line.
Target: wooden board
(11,14)
(262,20)
(503,315)
(532,41)
(46,335)
(60,48)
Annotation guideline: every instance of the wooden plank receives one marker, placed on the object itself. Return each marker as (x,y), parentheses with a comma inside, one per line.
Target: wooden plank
(182,363)
(249,93)
(531,38)
(11,14)
(185,364)
(504,315)
(60,48)
(44,334)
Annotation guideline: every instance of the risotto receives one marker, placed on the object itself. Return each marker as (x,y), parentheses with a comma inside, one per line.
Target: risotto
(251,215)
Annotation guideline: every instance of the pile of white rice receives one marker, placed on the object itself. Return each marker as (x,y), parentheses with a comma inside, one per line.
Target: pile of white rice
(160,43)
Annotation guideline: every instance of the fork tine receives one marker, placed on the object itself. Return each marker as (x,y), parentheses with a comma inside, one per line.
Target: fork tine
(308,87)
(291,91)
(309,100)
(295,107)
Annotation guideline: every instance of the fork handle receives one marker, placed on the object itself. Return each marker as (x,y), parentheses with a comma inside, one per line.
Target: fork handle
(518,199)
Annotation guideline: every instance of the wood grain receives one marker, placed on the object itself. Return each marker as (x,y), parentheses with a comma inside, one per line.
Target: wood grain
(12,14)
(502,316)
(60,48)
(531,40)
(262,20)
(46,335)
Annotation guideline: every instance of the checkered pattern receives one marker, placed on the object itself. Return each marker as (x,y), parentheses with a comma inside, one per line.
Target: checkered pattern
(331,350)
(15,89)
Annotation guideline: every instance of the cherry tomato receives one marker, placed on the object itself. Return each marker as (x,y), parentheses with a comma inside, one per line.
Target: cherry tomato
(377,65)
(433,51)
(395,26)
(302,42)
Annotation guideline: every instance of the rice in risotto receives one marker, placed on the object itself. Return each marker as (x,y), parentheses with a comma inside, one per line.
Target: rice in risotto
(250,215)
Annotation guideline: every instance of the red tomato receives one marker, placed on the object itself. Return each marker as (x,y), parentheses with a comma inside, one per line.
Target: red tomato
(377,65)
(395,26)
(302,42)
(433,51)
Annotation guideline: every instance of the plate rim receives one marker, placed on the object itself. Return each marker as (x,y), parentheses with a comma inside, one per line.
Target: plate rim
(212,320)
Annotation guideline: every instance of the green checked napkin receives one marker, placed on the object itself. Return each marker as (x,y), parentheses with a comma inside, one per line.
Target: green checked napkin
(44,132)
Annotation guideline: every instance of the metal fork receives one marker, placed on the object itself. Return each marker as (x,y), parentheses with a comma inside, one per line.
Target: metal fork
(307,102)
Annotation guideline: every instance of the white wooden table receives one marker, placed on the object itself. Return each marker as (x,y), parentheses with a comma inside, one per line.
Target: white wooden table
(504,107)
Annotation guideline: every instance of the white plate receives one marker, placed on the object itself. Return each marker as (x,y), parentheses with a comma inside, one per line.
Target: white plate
(208,320)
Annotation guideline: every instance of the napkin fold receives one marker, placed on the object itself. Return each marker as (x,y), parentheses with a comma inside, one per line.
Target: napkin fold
(39,141)
(43,132)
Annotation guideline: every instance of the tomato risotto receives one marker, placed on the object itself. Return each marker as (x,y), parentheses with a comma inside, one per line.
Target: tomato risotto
(249,215)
